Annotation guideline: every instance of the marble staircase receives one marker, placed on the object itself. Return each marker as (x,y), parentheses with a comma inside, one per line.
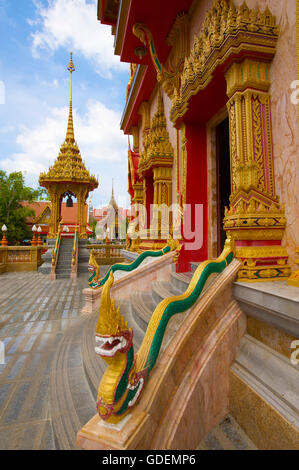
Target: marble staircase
(45,268)
(77,370)
(264,381)
(64,262)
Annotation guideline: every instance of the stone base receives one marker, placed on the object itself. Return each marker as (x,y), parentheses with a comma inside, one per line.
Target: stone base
(262,263)
(264,380)
(263,397)
(263,272)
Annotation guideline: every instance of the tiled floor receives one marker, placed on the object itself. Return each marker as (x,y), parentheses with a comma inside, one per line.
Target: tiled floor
(34,314)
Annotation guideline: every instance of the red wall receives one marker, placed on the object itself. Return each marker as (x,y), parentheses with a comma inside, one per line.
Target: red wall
(196,146)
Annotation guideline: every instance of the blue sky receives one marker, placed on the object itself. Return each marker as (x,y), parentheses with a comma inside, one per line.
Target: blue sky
(36,38)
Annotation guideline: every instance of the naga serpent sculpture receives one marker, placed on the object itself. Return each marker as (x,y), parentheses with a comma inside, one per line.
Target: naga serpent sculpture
(95,283)
(126,375)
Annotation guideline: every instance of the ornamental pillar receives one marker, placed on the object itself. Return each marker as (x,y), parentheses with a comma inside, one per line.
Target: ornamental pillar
(136,215)
(55,212)
(162,219)
(82,196)
(255,218)
(155,170)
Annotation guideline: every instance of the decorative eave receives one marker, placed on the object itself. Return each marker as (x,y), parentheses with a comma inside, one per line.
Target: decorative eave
(228,33)
(161,162)
(159,16)
(68,168)
(121,26)
(131,11)
(40,216)
(140,90)
(108,12)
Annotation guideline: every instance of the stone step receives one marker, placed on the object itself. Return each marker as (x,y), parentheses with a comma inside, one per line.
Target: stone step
(162,289)
(83,269)
(194,266)
(65,255)
(227,435)
(72,401)
(181,280)
(142,306)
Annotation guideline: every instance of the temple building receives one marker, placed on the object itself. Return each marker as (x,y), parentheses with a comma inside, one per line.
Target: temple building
(211,116)
(69,178)
(66,222)
(69,217)
(204,106)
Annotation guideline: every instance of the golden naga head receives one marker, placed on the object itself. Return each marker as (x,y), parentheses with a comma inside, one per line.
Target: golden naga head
(93,265)
(112,332)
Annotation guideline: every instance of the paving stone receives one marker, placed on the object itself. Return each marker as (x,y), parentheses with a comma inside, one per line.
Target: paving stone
(33,320)
(16,403)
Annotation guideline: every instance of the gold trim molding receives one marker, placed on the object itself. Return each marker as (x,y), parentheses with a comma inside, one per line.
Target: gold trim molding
(226,31)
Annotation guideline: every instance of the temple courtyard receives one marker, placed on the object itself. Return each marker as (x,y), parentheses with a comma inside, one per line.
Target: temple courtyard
(36,314)
(47,391)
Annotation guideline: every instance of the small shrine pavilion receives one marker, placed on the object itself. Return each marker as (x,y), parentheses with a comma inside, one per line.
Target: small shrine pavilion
(68,177)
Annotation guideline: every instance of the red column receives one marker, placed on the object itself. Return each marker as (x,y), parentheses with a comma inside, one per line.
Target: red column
(196,247)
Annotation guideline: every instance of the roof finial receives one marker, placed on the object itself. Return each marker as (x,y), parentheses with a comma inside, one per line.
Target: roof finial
(70,126)
(112,199)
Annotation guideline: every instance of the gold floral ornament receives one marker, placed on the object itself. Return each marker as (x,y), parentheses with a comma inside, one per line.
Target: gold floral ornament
(226,29)
(157,147)
(110,321)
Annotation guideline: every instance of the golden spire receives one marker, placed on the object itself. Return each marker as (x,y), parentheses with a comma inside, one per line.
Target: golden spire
(70,137)
(112,202)
(68,166)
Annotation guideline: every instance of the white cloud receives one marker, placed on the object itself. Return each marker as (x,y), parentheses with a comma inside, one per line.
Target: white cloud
(97,133)
(73,24)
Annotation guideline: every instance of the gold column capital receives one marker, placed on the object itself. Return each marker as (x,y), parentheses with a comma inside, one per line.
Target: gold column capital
(248,74)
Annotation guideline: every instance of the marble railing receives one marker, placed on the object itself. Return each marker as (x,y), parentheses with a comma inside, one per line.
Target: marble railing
(107,253)
(20,258)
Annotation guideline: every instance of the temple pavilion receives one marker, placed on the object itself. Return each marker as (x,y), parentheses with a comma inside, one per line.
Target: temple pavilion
(68,177)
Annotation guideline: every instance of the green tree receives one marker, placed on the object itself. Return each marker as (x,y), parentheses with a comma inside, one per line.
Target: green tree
(12,213)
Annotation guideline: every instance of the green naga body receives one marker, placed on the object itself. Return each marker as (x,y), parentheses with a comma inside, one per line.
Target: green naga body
(95,283)
(126,376)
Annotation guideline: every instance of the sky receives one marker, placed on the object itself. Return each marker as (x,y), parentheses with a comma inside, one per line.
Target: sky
(36,38)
